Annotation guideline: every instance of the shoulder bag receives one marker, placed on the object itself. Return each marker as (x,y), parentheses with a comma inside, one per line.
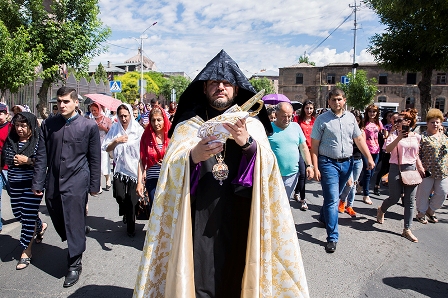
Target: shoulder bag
(411,177)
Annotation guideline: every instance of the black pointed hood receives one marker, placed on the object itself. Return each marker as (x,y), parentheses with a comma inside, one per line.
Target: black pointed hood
(221,67)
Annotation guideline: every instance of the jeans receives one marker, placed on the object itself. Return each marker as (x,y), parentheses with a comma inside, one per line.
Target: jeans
(368,173)
(290,183)
(396,188)
(334,176)
(3,185)
(151,185)
(348,194)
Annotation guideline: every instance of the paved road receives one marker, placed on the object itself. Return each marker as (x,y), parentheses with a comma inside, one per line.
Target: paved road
(371,260)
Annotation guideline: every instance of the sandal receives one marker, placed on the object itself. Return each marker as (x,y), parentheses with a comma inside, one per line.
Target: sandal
(303,205)
(421,219)
(366,199)
(23,261)
(40,236)
(432,218)
(380,216)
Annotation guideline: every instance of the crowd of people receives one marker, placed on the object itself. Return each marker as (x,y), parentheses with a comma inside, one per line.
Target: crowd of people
(220,203)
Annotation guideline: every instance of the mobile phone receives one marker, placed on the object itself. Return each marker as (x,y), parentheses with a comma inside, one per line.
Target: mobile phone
(405,128)
(427,174)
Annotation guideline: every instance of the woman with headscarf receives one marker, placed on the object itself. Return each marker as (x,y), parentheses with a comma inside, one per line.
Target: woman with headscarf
(18,153)
(124,140)
(152,150)
(104,124)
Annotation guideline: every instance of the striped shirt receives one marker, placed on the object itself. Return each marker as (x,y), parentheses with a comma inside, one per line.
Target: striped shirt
(154,171)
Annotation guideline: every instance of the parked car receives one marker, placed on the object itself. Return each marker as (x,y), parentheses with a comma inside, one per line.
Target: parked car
(421,127)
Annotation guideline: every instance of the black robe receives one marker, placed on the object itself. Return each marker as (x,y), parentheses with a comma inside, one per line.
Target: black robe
(220,220)
(68,167)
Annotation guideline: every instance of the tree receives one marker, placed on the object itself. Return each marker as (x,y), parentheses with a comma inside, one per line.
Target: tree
(306,59)
(71,34)
(130,91)
(416,39)
(18,65)
(178,83)
(360,91)
(100,74)
(262,83)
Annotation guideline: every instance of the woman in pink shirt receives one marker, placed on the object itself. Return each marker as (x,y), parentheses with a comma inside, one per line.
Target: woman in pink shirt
(371,128)
(403,147)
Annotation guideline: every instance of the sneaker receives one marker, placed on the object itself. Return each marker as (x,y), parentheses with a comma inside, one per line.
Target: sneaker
(341,207)
(350,211)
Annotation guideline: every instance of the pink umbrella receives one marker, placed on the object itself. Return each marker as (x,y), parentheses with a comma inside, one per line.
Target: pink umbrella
(273,99)
(105,100)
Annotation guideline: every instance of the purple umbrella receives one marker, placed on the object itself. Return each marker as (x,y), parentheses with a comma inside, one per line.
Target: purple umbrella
(273,99)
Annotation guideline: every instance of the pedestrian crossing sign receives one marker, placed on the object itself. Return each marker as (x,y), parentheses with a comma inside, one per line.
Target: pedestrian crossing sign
(115,86)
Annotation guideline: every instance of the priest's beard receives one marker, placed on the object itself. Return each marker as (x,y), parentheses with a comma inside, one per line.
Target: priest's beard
(220,103)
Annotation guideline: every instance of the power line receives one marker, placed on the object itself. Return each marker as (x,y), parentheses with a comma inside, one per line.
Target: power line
(345,20)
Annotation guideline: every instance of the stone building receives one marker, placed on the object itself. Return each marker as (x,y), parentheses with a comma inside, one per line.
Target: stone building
(303,81)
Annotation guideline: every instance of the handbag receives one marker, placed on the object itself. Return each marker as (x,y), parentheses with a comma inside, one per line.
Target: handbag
(143,208)
(411,177)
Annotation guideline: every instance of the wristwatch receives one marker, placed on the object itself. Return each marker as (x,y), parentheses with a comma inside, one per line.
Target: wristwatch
(310,166)
(248,143)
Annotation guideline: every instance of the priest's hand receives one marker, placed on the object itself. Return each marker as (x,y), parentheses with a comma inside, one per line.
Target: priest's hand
(238,131)
(205,150)
(38,192)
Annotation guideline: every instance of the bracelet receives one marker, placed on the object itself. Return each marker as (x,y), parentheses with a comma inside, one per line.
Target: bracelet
(310,166)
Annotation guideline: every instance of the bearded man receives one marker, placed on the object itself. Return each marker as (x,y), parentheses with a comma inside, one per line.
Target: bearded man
(220,233)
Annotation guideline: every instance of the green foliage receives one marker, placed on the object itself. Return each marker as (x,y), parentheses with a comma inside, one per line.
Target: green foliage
(18,65)
(71,33)
(360,91)
(178,83)
(306,59)
(262,83)
(130,91)
(416,39)
(100,74)
(77,73)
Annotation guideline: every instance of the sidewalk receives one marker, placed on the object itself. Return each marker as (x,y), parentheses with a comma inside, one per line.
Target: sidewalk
(371,260)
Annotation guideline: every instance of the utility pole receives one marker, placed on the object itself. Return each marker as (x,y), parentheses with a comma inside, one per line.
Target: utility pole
(355,9)
(141,61)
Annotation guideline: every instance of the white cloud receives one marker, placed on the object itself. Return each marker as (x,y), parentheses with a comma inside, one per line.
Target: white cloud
(256,34)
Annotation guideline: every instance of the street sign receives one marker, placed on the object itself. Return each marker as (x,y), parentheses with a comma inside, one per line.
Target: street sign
(115,86)
(345,80)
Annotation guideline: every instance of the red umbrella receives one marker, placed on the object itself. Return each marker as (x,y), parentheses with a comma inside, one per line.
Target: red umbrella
(105,100)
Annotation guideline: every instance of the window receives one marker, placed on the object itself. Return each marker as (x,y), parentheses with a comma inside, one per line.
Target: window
(382,80)
(411,78)
(382,98)
(299,78)
(441,79)
(440,104)
(410,103)
(331,78)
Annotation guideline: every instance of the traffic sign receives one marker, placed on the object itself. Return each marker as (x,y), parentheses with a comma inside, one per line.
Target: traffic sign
(115,86)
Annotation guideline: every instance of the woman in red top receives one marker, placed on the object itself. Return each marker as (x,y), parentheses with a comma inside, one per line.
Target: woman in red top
(306,121)
(153,146)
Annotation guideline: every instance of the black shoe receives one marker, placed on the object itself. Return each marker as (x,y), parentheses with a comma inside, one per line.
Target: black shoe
(330,247)
(376,190)
(124,219)
(88,229)
(131,235)
(108,187)
(72,278)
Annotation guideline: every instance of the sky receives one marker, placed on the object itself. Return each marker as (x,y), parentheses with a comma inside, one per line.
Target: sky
(258,35)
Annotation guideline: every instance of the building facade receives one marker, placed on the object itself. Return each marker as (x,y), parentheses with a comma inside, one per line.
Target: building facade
(307,82)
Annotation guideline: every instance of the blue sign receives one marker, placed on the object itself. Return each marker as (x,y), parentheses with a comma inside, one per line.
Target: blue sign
(345,80)
(115,86)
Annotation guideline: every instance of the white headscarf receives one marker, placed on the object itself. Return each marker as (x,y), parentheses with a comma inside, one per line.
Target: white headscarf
(126,155)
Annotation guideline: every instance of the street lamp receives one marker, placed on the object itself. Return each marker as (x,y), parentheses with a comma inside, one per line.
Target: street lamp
(141,60)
